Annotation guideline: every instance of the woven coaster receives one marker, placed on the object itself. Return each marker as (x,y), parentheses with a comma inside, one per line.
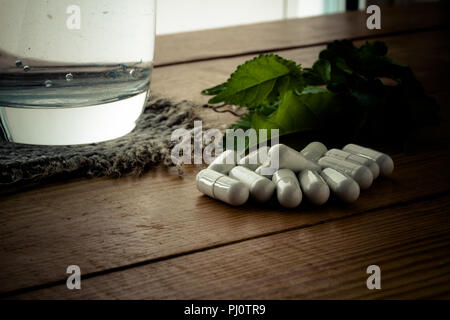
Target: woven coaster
(149,144)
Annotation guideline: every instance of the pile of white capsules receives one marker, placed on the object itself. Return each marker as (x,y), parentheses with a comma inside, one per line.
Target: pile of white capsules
(312,172)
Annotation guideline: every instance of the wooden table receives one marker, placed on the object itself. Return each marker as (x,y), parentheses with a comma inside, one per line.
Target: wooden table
(157,237)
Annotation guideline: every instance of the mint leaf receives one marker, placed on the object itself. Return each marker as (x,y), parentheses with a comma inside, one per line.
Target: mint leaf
(214,90)
(245,121)
(259,82)
(356,104)
(296,113)
(323,69)
(388,111)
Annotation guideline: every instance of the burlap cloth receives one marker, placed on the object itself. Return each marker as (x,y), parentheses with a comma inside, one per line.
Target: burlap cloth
(149,144)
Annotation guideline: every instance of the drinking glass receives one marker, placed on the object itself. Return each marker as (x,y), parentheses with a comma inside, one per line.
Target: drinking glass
(74,71)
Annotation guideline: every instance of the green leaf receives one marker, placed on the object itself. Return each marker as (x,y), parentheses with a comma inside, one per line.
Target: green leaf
(323,69)
(342,65)
(356,104)
(214,90)
(245,122)
(297,113)
(259,82)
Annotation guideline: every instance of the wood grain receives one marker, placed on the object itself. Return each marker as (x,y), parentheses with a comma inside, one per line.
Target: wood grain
(156,236)
(134,220)
(102,224)
(225,42)
(426,52)
(410,244)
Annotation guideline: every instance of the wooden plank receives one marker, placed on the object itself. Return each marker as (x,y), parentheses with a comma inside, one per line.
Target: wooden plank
(410,244)
(102,224)
(293,33)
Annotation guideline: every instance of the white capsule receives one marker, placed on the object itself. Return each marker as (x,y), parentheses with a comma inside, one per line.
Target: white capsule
(224,162)
(260,171)
(351,157)
(362,175)
(289,193)
(261,188)
(255,158)
(289,158)
(341,184)
(221,187)
(314,187)
(383,160)
(314,151)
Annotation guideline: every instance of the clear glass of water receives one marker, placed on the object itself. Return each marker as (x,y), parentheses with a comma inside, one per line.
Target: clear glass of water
(74,72)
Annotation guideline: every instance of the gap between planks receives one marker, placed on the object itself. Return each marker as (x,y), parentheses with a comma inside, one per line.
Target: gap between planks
(305,46)
(103,236)
(435,196)
(293,32)
(405,240)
